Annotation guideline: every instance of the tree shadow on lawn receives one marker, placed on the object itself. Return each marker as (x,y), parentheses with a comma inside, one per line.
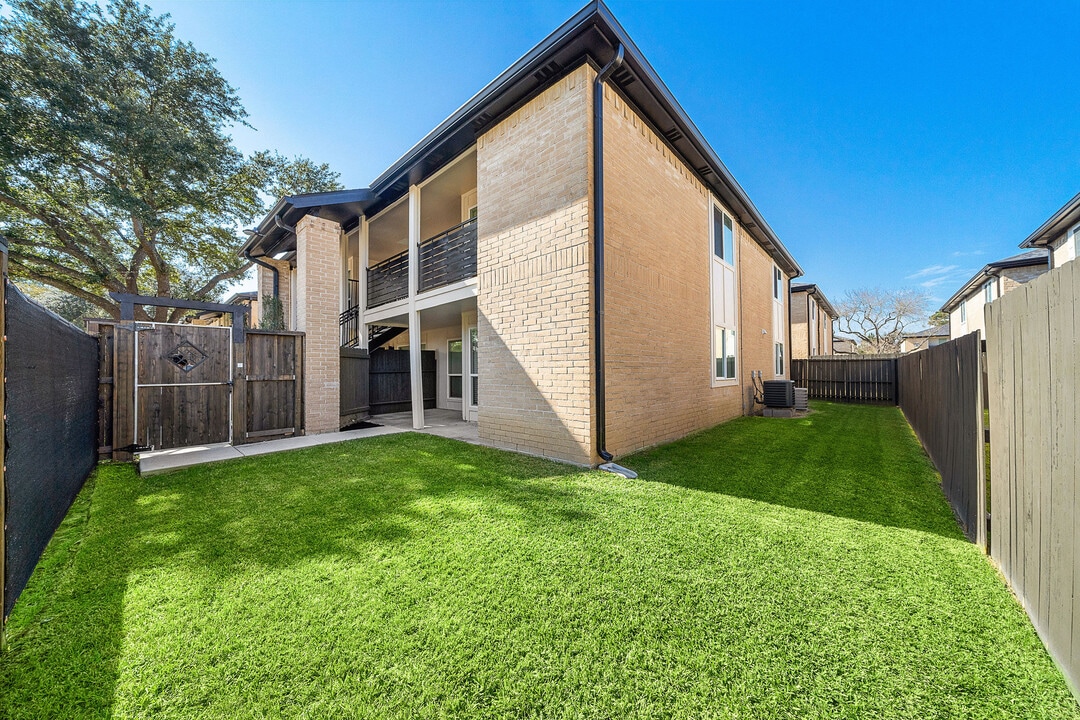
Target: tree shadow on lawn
(860,462)
(346,502)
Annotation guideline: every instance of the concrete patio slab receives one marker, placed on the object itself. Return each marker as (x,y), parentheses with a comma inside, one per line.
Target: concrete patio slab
(153,463)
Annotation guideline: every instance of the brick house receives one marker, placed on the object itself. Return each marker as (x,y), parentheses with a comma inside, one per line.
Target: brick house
(1059,234)
(965,307)
(812,317)
(589,288)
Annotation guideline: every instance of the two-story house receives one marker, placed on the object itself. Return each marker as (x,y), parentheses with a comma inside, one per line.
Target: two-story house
(965,307)
(1059,234)
(812,317)
(591,276)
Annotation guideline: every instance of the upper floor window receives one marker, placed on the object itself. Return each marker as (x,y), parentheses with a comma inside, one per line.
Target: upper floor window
(777,283)
(963,311)
(988,291)
(723,236)
(813,310)
(723,294)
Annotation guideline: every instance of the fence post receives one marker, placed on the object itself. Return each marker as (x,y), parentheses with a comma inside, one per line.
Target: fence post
(980,476)
(3,436)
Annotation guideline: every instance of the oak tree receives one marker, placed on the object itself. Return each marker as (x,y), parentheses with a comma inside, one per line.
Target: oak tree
(118,170)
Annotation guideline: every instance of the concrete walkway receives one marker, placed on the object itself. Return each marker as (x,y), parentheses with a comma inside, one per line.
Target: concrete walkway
(445,423)
(152,463)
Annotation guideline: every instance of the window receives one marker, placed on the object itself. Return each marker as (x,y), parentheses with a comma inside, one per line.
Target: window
(723,236)
(779,320)
(474,373)
(963,311)
(988,291)
(722,231)
(453,369)
(813,310)
(724,350)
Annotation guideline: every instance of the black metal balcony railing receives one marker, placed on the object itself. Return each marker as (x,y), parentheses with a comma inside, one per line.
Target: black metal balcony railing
(448,257)
(388,280)
(349,322)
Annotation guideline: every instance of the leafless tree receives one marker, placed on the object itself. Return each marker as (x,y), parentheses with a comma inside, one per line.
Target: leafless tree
(878,318)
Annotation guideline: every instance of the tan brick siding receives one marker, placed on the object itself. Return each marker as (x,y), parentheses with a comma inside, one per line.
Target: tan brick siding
(534,273)
(1012,278)
(318,290)
(266,289)
(658,307)
(755,312)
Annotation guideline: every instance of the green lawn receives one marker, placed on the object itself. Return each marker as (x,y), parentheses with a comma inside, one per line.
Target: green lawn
(763,569)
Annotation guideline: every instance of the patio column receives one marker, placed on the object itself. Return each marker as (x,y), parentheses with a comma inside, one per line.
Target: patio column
(318,290)
(362,262)
(415,366)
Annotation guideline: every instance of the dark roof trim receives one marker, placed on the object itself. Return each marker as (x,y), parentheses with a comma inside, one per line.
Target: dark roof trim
(814,290)
(1039,256)
(1058,224)
(591,35)
(341,206)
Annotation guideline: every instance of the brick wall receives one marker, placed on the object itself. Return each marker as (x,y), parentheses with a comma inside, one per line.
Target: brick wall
(800,325)
(755,311)
(318,291)
(658,307)
(266,289)
(534,273)
(1012,278)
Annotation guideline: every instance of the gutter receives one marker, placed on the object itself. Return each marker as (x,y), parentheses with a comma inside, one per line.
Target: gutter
(598,266)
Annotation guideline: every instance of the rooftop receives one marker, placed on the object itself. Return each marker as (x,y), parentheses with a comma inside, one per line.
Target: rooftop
(591,36)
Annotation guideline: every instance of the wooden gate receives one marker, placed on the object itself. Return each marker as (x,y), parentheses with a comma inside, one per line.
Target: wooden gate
(183,385)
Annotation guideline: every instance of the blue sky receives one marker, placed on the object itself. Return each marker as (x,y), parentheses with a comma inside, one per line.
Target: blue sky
(889,144)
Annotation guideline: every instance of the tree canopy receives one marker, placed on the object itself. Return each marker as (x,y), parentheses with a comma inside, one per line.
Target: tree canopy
(119,172)
(879,318)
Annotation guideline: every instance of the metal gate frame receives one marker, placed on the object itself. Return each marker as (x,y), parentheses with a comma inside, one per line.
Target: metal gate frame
(150,326)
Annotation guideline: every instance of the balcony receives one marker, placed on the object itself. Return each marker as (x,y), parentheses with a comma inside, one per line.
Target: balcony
(446,258)
(388,280)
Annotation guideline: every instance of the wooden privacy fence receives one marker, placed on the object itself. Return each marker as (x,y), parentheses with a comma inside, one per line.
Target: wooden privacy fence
(1032,344)
(859,379)
(165,385)
(355,385)
(940,392)
(273,384)
(391,387)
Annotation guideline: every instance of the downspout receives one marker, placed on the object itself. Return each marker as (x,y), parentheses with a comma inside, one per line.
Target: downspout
(262,263)
(598,266)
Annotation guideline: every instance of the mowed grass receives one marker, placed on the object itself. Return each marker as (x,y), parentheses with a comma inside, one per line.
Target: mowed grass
(802,568)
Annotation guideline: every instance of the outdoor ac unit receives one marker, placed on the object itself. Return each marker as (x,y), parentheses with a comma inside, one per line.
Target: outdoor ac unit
(802,399)
(779,393)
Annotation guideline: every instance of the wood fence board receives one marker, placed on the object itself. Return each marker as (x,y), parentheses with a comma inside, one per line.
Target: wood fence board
(1033,341)
(940,392)
(1062,458)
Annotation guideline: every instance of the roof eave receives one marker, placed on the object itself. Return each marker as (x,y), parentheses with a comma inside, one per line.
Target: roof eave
(1067,216)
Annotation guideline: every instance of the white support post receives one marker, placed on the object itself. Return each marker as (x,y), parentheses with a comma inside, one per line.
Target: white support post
(415,366)
(361,275)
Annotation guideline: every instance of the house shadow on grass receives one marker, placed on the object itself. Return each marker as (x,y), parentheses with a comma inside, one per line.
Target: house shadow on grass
(860,462)
(180,540)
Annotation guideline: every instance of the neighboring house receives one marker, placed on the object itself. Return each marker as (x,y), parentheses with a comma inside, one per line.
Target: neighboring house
(220,319)
(812,317)
(965,308)
(1059,234)
(488,241)
(925,338)
(844,346)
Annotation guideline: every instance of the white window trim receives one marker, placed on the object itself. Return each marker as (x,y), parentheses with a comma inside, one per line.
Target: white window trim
(460,398)
(717,382)
(781,337)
